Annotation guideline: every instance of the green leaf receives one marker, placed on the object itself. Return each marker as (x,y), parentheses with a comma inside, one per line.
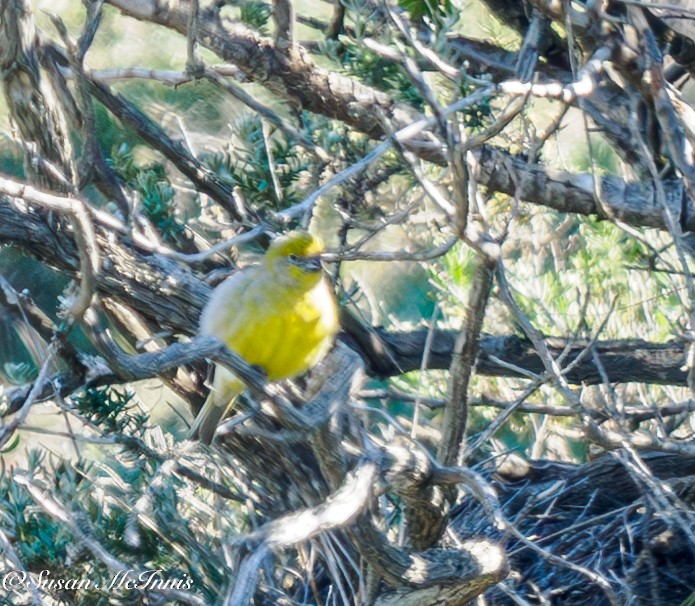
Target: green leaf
(436,10)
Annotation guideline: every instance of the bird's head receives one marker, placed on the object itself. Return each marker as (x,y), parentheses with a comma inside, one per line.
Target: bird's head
(295,257)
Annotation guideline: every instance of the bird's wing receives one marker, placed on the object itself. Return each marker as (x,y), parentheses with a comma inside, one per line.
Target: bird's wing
(224,314)
(244,312)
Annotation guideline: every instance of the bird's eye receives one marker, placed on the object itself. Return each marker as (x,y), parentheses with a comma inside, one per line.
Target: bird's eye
(293,258)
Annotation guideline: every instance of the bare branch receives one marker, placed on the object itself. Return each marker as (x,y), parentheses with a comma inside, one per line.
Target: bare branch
(463,361)
(283,15)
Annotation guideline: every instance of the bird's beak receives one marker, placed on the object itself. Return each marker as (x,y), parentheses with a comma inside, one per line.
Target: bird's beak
(312,264)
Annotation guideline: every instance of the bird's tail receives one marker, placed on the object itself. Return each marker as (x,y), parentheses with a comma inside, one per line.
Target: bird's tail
(225,388)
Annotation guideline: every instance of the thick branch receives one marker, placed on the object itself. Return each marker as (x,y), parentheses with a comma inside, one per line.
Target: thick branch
(31,101)
(157,287)
(624,360)
(633,202)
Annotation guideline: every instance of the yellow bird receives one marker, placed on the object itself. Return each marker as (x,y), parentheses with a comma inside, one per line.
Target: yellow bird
(279,315)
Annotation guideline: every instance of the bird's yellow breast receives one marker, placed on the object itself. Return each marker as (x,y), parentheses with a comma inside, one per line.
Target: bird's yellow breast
(284,329)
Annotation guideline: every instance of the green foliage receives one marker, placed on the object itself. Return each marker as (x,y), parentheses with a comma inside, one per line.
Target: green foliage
(158,204)
(256,15)
(99,501)
(381,73)
(111,132)
(151,181)
(19,372)
(436,11)
(42,542)
(337,139)
(11,163)
(110,409)
(247,167)
(569,275)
